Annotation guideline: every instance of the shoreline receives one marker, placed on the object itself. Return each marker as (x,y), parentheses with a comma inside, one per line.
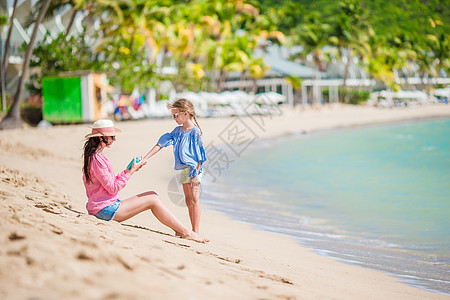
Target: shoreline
(325,131)
(341,252)
(104,259)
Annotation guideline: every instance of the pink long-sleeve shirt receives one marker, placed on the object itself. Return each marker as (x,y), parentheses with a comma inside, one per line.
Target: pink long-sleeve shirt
(104,187)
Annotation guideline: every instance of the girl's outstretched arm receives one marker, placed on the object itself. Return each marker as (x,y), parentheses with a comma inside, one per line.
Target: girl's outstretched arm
(152,152)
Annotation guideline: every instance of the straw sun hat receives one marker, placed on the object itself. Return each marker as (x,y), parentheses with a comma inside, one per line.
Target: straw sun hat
(103,128)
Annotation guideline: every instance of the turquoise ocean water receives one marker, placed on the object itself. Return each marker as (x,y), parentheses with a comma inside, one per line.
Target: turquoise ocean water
(377,196)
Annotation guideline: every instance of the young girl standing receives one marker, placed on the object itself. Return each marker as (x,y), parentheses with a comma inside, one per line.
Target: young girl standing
(189,154)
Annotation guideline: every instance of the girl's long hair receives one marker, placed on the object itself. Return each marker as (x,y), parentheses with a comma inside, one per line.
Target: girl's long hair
(184,105)
(90,147)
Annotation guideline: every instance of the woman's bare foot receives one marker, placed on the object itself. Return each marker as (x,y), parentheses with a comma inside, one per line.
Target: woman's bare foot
(194,237)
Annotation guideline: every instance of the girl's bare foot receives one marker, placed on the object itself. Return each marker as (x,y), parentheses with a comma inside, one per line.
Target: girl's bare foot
(206,240)
(194,237)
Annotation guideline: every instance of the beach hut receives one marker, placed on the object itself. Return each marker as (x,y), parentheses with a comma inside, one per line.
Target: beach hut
(74,97)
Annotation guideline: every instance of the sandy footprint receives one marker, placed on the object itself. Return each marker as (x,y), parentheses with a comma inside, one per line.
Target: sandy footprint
(50,208)
(5,194)
(263,274)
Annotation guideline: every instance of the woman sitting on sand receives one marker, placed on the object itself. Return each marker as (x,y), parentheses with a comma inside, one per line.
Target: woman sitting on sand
(102,186)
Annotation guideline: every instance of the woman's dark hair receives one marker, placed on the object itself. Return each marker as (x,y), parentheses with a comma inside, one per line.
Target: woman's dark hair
(90,147)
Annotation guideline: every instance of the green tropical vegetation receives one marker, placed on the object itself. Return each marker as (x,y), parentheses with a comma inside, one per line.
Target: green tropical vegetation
(204,40)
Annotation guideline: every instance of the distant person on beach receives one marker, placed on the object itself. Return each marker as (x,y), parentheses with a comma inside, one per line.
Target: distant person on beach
(102,186)
(187,141)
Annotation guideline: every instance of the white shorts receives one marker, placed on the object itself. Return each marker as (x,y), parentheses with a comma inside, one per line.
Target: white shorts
(185,176)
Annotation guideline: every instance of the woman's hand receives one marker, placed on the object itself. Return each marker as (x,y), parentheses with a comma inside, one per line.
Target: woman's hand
(137,166)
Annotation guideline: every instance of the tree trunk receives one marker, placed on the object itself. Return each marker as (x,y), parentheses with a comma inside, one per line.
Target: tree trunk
(220,81)
(312,89)
(5,60)
(217,53)
(2,76)
(13,119)
(72,19)
(422,79)
(255,86)
(241,79)
(296,97)
(163,59)
(347,68)
(132,42)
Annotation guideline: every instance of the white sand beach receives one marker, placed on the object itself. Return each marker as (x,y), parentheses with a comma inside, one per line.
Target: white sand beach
(51,248)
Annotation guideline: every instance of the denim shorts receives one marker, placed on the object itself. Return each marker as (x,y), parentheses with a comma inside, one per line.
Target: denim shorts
(108,212)
(186,179)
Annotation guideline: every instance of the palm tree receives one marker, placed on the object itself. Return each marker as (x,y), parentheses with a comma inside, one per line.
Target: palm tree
(55,6)
(351,31)
(220,32)
(128,19)
(424,59)
(5,61)
(313,37)
(13,119)
(236,56)
(257,70)
(92,7)
(296,83)
(384,58)
(439,43)
(221,19)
